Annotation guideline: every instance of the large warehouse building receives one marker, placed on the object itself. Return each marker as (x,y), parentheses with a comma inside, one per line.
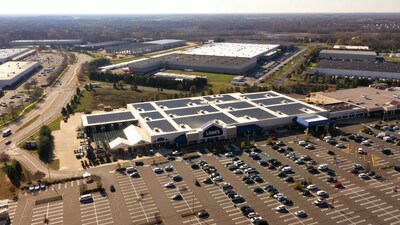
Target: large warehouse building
(101,45)
(348,55)
(46,42)
(231,58)
(145,47)
(359,69)
(13,72)
(204,119)
(12,53)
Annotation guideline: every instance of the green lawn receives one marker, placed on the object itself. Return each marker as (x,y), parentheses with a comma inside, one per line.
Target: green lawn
(217,81)
(390,59)
(55,124)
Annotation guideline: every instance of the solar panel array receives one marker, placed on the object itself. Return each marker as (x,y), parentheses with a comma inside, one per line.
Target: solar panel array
(273,101)
(221,98)
(198,120)
(153,115)
(253,112)
(178,103)
(191,110)
(145,106)
(109,118)
(236,105)
(290,109)
(259,95)
(164,125)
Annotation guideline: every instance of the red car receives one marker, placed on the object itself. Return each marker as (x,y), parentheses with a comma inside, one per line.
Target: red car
(337,185)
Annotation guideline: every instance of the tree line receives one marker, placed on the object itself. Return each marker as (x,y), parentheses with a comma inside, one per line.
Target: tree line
(45,144)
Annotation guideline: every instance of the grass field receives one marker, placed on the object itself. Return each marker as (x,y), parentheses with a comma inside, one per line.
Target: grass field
(5,184)
(217,81)
(114,98)
(390,59)
(55,124)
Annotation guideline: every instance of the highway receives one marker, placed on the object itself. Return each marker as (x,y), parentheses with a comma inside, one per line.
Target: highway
(56,97)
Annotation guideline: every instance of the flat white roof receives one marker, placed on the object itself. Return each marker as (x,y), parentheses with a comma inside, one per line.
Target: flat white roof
(9,70)
(233,49)
(11,52)
(48,40)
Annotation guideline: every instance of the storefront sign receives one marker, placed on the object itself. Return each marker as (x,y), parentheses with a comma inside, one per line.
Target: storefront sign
(212,131)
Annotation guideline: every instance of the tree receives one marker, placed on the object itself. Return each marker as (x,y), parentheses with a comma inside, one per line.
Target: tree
(4,158)
(193,89)
(64,111)
(252,142)
(70,109)
(78,91)
(115,86)
(121,84)
(309,180)
(210,91)
(18,167)
(215,151)
(27,86)
(38,175)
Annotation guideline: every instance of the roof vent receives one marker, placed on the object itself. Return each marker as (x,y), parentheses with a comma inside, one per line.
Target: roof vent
(279,112)
(147,118)
(267,95)
(216,121)
(283,101)
(182,126)
(231,108)
(161,106)
(171,115)
(190,103)
(140,109)
(260,104)
(157,130)
(247,117)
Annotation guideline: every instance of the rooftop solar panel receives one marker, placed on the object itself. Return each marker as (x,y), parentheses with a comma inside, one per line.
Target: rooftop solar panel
(254,112)
(145,106)
(290,109)
(197,121)
(191,110)
(164,125)
(273,101)
(110,117)
(153,115)
(259,95)
(171,104)
(236,105)
(221,98)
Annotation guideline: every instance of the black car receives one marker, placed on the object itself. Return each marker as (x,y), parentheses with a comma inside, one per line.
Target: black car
(195,166)
(203,214)
(258,190)
(197,183)
(8,142)
(207,181)
(139,163)
(331,173)
(397,168)
(289,179)
(282,174)
(171,158)
(329,152)
(306,193)
(249,181)
(177,178)
(177,197)
(387,152)
(263,163)
(287,202)
(258,179)
(112,188)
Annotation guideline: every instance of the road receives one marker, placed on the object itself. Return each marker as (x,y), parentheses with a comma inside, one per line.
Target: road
(56,97)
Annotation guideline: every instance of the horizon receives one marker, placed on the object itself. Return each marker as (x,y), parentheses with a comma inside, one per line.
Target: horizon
(177,7)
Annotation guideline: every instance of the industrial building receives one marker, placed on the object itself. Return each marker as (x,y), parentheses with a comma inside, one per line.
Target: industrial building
(10,54)
(145,47)
(11,73)
(350,47)
(190,121)
(101,45)
(46,42)
(176,76)
(359,102)
(358,68)
(230,58)
(348,55)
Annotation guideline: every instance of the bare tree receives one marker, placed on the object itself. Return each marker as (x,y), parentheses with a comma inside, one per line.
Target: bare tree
(4,157)
(38,175)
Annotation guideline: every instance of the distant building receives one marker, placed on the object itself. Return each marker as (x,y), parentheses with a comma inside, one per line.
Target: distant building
(46,42)
(13,72)
(146,47)
(101,45)
(348,55)
(10,53)
(229,58)
(178,76)
(350,47)
(359,69)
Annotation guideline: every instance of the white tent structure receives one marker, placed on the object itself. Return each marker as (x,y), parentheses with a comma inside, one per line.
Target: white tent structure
(133,138)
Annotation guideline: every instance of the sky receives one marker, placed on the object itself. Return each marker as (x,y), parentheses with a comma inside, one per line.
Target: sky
(195,6)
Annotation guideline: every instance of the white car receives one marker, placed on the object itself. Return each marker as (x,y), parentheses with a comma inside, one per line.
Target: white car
(281,208)
(169,185)
(31,188)
(130,169)
(322,193)
(252,214)
(302,143)
(301,214)
(340,145)
(309,146)
(323,167)
(363,176)
(279,195)
(238,171)
(256,219)
(229,154)
(312,187)
(217,178)
(287,169)
(299,161)
(157,170)
(366,143)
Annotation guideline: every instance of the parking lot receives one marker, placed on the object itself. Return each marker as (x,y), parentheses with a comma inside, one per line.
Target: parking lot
(98,212)
(53,211)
